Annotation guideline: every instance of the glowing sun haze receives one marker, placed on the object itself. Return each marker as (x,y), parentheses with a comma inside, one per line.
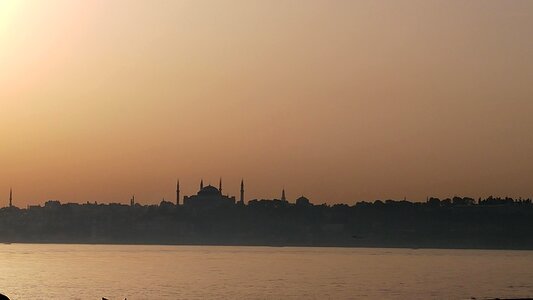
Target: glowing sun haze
(342,101)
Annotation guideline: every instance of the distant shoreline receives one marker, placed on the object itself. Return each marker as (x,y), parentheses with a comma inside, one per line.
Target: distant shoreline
(492,224)
(262,245)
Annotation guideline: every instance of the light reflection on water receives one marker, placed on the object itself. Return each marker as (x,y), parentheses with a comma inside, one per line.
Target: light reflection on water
(31,271)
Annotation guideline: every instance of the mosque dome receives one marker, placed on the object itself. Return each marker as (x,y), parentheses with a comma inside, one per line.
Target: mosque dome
(209,190)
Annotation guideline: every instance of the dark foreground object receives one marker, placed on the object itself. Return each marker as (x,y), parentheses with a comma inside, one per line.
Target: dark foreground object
(435,224)
(510,299)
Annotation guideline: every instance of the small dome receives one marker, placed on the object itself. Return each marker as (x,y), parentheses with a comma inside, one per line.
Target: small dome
(302,201)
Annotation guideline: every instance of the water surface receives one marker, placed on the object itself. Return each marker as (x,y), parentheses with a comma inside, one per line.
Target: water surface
(31,271)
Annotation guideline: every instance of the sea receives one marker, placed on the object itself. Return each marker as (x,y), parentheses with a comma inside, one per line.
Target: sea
(62,271)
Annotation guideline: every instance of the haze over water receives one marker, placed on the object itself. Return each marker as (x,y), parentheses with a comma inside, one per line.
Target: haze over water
(31,271)
(342,101)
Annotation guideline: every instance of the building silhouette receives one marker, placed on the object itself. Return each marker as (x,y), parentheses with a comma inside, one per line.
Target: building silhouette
(303,201)
(208,197)
(241,201)
(178,192)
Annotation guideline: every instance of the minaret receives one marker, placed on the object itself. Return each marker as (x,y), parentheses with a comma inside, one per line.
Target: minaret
(242,191)
(220,185)
(178,192)
(201,184)
(10,197)
(132,200)
(283,195)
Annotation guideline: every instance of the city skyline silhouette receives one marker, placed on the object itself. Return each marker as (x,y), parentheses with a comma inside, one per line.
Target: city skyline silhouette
(256,149)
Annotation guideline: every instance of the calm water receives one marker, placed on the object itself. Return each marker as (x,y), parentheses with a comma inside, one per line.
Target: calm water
(196,272)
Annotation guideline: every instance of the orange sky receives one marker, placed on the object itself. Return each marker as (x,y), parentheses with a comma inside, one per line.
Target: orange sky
(342,101)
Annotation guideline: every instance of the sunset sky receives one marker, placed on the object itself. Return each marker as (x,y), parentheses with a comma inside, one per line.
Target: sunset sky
(341,101)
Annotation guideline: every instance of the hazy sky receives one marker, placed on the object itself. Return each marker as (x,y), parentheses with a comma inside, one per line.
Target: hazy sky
(342,101)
